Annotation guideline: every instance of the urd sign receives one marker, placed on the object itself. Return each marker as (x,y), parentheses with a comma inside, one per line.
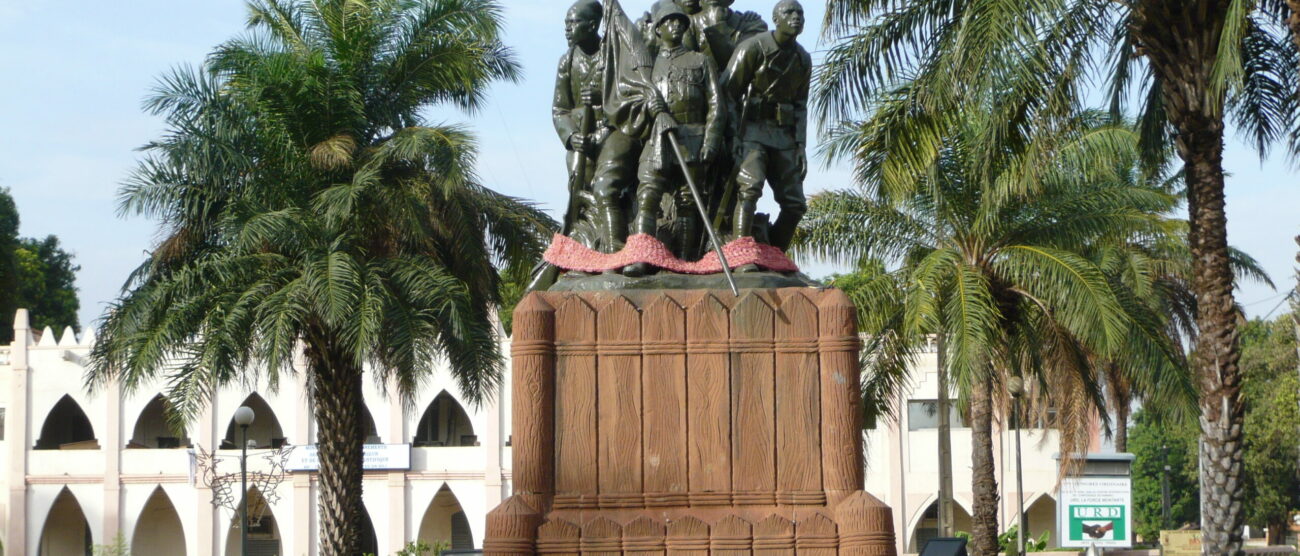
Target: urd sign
(1096,511)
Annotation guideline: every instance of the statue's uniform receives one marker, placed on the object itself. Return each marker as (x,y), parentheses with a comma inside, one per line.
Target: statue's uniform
(579,71)
(772,81)
(610,165)
(688,83)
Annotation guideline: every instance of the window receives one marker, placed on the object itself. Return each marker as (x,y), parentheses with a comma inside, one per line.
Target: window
(924,414)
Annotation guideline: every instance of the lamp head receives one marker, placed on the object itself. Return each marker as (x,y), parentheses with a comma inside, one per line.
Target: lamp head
(1016,386)
(244,416)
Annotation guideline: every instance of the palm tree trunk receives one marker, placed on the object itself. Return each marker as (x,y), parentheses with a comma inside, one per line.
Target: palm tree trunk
(335,389)
(1119,398)
(1293,22)
(984,485)
(1200,144)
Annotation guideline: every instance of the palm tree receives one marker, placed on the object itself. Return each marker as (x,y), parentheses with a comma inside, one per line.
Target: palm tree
(1151,275)
(1006,279)
(307,207)
(1189,62)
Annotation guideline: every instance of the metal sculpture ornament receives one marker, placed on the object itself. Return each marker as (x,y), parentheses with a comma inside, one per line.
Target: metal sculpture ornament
(672,125)
(264,477)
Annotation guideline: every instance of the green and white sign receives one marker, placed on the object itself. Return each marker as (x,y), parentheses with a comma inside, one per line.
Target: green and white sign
(1096,511)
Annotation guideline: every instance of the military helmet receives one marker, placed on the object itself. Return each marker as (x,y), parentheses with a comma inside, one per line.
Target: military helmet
(664,9)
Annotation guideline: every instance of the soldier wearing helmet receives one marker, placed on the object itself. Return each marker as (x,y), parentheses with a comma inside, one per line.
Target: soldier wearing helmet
(686,101)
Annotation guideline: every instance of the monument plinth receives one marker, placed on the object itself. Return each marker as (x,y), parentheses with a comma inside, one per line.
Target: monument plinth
(687,422)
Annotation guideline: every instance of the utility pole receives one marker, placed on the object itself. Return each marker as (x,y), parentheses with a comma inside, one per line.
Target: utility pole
(946,528)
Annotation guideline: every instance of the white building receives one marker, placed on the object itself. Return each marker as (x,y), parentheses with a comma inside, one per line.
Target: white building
(903,466)
(80,468)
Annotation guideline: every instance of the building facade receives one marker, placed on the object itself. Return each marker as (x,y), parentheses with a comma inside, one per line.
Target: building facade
(81,468)
(903,465)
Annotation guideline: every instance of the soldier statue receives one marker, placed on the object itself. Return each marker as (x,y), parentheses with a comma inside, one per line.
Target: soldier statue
(686,102)
(576,110)
(718,29)
(768,77)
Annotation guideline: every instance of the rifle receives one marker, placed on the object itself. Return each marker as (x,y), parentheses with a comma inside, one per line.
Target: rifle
(545,274)
(731,178)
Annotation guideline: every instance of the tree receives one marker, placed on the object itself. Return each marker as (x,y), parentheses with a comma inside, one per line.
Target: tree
(34,274)
(47,283)
(8,263)
(1272,394)
(1006,278)
(1191,63)
(307,207)
(1156,441)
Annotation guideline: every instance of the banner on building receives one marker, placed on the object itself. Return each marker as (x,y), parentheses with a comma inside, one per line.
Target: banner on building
(1096,511)
(377,457)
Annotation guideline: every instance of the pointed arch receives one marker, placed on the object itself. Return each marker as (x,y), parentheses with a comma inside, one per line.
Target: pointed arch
(265,430)
(66,427)
(368,425)
(1040,516)
(158,529)
(263,534)
(65,530)
(445,423)
(445,522)
(152,429)
(925,525)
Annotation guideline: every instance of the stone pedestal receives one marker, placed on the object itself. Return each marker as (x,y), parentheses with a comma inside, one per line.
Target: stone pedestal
(687,422)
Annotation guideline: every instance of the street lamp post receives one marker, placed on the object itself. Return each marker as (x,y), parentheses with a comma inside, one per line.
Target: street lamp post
(1165,513)
(1016,387)
(243,418)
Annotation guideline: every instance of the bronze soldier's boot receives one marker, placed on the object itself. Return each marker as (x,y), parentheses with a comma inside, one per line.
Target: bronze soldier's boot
(782,232)
(742,223)
(647,222)
(687,238)
(612,229)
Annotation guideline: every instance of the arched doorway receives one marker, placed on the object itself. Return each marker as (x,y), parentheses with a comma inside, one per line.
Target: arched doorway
(368,425)
(445,423)
(445,522)
(67,428)
(152,429)
(66,532)
(1040,516)
(265,430)
(928,526)
(263,533)
(158,530)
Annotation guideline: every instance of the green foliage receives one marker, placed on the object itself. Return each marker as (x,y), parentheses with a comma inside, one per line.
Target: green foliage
(47,283)
(116,548)
(421,548)
(1156,440)
(1272,435)
(36,274)
(306,203)
(8,264)
(1013,280)
(1007,541)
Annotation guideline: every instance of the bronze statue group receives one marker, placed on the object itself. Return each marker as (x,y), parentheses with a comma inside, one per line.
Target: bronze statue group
(673,123)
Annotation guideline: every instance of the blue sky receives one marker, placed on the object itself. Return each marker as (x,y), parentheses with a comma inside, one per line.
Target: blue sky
(76,72)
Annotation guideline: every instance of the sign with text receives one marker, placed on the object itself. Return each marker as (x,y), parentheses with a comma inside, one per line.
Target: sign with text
(1096,511)
(377,457)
